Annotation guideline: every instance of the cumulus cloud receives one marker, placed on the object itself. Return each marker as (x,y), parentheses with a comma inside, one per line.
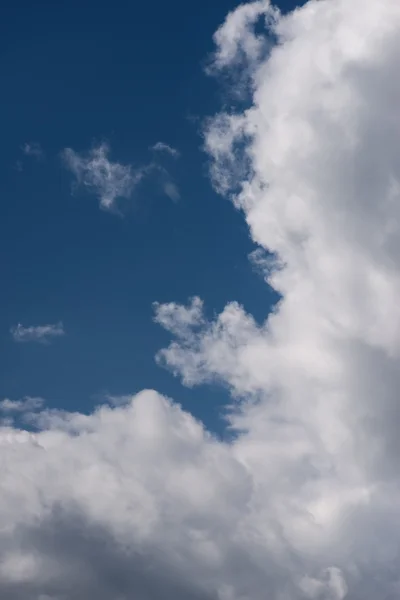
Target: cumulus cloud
(313,165)
(37,333)
(119,504)
(138,500)
(162,147)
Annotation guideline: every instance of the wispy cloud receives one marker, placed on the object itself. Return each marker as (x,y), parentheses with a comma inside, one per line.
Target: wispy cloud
(23,410)
(162,147)
(37,333)
(33,149)
(29,403)
(111,181)
(169,187)
(172,191)
(108,180)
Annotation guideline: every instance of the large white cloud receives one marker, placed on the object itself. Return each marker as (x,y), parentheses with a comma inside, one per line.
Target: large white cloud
(138,500)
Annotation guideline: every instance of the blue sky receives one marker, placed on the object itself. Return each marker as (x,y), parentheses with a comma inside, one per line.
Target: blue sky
(74,75)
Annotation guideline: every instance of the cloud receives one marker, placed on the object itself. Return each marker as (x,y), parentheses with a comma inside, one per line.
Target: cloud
(138,500)
(13,411)
(119,504)
(162,147)
(112,181)
(37,333)
(33,149)
(17,406)
(313,164)
(171,190)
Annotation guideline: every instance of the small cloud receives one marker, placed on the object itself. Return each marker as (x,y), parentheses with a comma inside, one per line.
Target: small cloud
(168,186)
(24,410)
(111,181)
(172,191)
(33,149)
(28,403)
(162,147)
(37,333)
(108,180)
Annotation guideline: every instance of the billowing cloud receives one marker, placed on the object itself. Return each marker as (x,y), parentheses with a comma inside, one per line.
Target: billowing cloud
(37,333)
(119,504)
(162,147)
(313,164)
(138,500)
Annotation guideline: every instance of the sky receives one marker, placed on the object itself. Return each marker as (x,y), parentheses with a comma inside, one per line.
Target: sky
(124,78)
(199,317)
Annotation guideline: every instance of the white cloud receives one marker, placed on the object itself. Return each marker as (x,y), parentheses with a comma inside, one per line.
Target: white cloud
(313,164)
(162,147)
(33,149)
(110,181)
(236,40)
(134,501)
(138,500)
(37,333)
(28,403)
(24,410)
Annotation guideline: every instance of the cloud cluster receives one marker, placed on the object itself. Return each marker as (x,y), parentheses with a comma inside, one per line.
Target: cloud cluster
(37,333)
(139,500)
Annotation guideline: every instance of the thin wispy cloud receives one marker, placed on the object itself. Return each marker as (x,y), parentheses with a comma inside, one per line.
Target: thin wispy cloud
(166,148)
(168,186)
(43,334)
(33,149)
(108,180)
(112,181)
(21,412)
(172,191)
(19,406)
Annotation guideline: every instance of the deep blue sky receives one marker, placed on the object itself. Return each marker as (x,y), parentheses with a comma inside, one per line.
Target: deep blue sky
(130,73)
